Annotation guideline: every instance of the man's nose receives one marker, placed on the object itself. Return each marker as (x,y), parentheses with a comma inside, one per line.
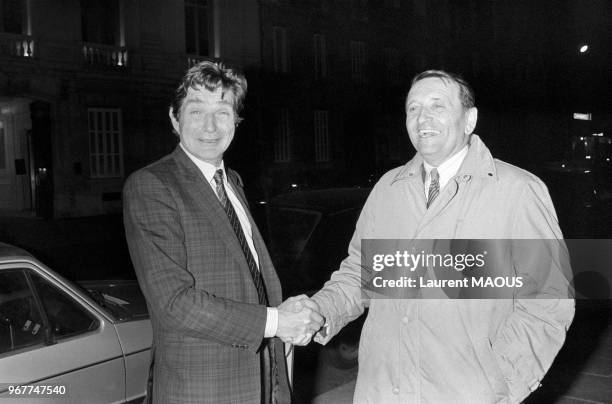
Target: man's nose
(209,124)
(424,115)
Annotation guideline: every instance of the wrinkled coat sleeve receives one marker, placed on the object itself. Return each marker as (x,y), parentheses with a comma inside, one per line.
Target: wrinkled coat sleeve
(156,241)
(341,299)
(533,334)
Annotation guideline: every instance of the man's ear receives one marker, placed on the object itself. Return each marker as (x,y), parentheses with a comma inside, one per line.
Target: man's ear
(471,116)
(175,123)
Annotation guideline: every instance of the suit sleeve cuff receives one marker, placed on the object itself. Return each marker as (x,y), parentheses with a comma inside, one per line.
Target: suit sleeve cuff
(271,322)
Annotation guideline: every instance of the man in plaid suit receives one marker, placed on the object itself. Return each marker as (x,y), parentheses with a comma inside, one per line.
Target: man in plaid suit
(212,292)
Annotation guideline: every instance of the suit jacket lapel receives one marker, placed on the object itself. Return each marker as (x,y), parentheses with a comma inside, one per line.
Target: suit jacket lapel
(205,197)
(265,263)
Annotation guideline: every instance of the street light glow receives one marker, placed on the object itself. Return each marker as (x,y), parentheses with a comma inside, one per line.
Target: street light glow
(584,48)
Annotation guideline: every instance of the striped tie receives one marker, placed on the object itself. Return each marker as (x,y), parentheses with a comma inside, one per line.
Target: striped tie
(434,186)
(235,222)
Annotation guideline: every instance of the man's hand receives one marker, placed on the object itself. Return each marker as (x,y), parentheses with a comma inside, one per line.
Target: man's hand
(298,320)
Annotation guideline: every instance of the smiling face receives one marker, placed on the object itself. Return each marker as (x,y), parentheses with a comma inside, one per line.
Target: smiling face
(437,123)
(206,123)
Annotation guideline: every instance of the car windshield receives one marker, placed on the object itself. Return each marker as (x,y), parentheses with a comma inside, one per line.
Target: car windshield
(308,245)
(289,230)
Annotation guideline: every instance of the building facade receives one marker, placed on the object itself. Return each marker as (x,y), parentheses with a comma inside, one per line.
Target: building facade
(85,86)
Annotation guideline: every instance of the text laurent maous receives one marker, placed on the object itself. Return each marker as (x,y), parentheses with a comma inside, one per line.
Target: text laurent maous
(480,282)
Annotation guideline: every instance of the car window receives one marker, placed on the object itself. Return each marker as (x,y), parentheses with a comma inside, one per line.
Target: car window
(66,316)
(307,247)
(327,247)
(288,231)
(21,322)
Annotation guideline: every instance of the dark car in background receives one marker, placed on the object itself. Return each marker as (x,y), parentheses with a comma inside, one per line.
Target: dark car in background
(307,233)
(580,186)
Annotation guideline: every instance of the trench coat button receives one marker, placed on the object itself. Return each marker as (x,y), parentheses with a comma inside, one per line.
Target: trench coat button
(466,178)
(395,391)
(405,320)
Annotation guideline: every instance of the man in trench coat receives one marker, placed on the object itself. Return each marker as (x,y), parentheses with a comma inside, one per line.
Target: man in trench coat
(428,348)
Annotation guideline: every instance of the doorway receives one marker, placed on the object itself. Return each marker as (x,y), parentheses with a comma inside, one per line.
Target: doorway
(15,175)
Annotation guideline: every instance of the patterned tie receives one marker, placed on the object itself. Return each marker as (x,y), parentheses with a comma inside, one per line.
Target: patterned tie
(235,222)
(434,186)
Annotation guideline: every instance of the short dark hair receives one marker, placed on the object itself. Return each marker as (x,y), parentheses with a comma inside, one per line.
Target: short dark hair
(466,92)
(212,74)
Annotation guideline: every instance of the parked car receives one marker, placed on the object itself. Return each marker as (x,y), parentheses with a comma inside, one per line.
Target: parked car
(308,233)
(582,195)
(91,343)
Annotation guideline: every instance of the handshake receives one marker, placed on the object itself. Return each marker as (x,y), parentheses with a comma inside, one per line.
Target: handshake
(299,319)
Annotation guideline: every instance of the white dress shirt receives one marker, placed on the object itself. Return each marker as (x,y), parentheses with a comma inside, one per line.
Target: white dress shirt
(446,170)
(209,172)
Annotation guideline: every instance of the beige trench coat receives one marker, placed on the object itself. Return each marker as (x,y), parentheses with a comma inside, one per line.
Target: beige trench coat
(452,351)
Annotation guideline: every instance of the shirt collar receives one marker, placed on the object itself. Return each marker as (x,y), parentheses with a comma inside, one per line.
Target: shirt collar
(207,169)
(449,168)
(478,161)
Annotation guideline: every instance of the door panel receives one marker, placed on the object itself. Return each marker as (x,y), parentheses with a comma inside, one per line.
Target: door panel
(43,157)
(84,356)
(15,186)
(136,339)
(7,169)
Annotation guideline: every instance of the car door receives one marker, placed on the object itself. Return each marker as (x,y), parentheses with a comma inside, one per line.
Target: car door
(50,336)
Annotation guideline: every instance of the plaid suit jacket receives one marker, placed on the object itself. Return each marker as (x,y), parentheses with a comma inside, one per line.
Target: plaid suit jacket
(207,324)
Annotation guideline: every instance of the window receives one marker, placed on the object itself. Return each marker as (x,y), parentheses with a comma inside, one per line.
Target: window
(196,27)
(103,33)
(13,16)
(280,50)
(358,61)
(66,317)
(15,21)
(321,136)
(21,323)
(105,137)
(320,56)
(100,22)
(282,146)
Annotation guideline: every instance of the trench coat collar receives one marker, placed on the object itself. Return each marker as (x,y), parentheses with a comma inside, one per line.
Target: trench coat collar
(478,162)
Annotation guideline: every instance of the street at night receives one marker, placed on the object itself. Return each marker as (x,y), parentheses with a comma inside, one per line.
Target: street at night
(442,120)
